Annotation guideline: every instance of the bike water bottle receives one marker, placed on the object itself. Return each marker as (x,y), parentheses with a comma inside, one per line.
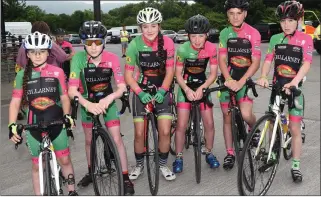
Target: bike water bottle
(284,123)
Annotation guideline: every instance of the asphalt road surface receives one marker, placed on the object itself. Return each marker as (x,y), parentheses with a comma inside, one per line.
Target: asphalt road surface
(16,164)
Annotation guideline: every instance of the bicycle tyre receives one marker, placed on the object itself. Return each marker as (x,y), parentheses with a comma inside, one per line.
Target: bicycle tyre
(153,187)
(197,145)
(50,186)
(247,146)
(172,149)
(235,133)
(109,147)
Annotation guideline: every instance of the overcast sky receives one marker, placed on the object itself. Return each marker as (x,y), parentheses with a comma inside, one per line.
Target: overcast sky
(68,7)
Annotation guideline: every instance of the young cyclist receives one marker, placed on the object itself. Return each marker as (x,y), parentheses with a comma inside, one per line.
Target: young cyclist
(191,60)
(239,59)
(67,47)
(153,54)
(93,69)
(41,87)
(291,51)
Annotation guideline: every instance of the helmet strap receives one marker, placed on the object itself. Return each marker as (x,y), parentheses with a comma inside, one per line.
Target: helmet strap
(94,57)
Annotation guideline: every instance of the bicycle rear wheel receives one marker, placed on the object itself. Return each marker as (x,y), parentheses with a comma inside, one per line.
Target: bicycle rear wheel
(152,155)
(260,168)
(197,145)
(106,168)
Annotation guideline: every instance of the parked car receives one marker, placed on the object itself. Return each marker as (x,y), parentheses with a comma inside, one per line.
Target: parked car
(132,36)
(213,35)
(74,39)
(267,30)
(317,39)
(181,36)
(169,33)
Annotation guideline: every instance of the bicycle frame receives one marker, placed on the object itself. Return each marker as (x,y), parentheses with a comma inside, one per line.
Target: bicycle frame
(47,147)
(149,107)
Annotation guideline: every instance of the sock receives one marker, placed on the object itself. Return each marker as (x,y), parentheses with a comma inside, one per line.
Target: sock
(125,176)
(230,151)
(296,164)
(139,159)
(163,158)
(179,155)
(208,152)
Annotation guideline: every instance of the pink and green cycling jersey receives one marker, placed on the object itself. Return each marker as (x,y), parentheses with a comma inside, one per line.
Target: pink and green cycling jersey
(289,53)
(95,80)
(240,46)
(145,55)
(194,62)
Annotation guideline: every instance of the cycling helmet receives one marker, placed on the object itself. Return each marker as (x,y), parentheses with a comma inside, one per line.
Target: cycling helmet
(37,40)
(197,24)
(60,31)
(290,9)
(92,29)
(241,4)
(149,15)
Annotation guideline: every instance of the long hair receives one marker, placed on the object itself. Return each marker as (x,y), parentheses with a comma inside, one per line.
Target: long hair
(161,51)
(25,79)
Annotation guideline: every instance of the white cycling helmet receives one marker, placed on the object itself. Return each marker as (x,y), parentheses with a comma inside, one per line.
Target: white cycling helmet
(37,40)
(149,15)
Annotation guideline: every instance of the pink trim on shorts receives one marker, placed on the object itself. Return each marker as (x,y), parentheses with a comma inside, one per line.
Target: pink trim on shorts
(295,118)
(112,123)
(87,125)
(35,160)
(62,153)
(245,99)
(202,107)
(184,105)
(224,105)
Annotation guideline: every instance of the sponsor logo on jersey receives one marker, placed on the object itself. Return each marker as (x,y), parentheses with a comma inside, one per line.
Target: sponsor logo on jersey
(287,58)
(281,47)
(241,61)
(99,87)
(128,60)
(286,71)
(49,80)
(72,75)
(42,103)
(296,49)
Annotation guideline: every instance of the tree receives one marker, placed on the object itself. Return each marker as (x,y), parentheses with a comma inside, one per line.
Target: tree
(34,13)
(13,9)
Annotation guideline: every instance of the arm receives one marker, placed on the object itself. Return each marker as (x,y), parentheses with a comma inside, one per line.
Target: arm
(179,69)
(119,79)
(213,69)
(222,58)
(65,101)
(302,72)
(72,52)
(169,66)
(17,94)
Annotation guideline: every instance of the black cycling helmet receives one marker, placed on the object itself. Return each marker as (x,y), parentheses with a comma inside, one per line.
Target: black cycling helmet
(241,4)
(60,31)
(92,29)
(197,24)
(290,9)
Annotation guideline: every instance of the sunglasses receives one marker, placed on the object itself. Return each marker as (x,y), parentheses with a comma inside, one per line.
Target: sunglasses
(97,42)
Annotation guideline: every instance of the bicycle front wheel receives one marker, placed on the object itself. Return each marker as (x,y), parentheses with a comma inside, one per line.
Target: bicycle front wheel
(152,155)
(197,145)
(49,184)
(254,165)
(106,168)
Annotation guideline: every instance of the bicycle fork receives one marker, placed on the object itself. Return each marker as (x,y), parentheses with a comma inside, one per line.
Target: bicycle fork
(54,168)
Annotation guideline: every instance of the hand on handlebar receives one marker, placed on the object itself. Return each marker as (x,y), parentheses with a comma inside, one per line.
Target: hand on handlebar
(190,94)
(13,135)
(233,85)
(105,102)
(145,97)
(199,93)
(287,87)
(95,108)
(263,82)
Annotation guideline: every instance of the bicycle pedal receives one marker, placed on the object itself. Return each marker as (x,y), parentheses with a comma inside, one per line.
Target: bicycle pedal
(303,138)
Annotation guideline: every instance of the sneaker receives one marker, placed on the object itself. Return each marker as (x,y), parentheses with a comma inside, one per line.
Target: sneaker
(167,173)
(296,175)
(178,165)
(85,181)
(134,174)
(212,161)
(128,188)
(229,161)
(73,193)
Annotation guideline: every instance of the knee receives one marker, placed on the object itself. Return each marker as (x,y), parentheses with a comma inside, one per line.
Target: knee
(227,117)
(35,167)
(64,161)
(295,129)
(118,140)
(246,114)
(139,135)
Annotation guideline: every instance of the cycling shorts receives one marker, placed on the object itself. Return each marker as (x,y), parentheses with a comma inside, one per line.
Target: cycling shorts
(111,117)
(162,110)
(240,97)
(59,140)
(184,103)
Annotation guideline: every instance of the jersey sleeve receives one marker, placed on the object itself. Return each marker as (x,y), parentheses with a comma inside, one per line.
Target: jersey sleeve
(71,48)
(170,50)
(17,91)
(256,42)
(223,42)
(62,82)
(308,50)
(213,55)
(270,52)
(75,69)
(180,56)
(131,56)
(118,75)
(58,53)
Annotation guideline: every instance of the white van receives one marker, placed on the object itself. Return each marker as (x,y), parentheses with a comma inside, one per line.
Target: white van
(18,28)
(113,34)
